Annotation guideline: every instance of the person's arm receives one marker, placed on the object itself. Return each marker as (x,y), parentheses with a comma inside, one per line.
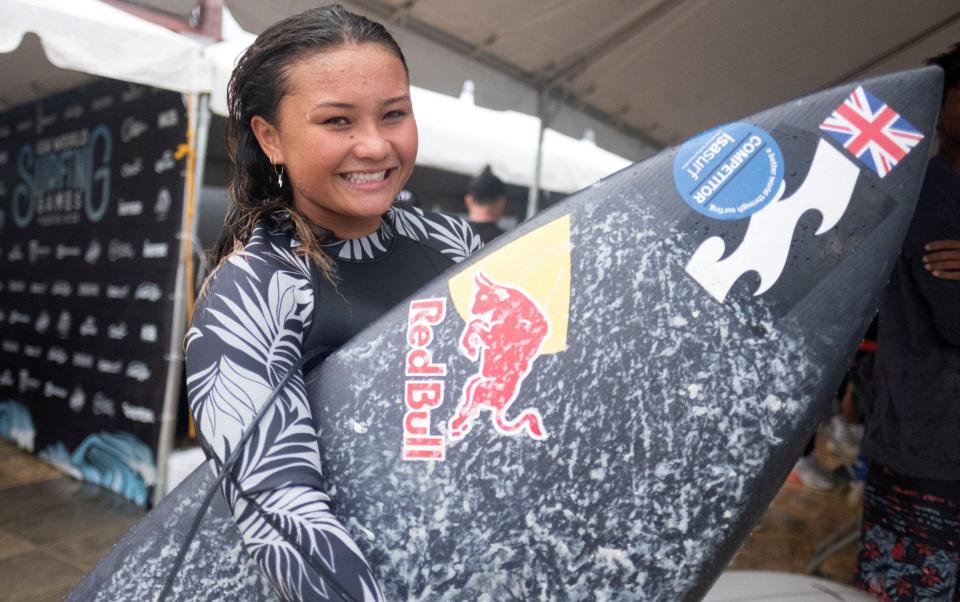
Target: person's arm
(943,259)
(246,337)
(937,217)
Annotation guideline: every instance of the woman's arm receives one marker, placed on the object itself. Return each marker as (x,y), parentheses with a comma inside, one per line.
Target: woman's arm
(247,335)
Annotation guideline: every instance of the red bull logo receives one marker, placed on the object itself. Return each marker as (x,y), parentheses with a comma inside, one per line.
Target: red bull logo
(424,392)
(515,307)
(506,334)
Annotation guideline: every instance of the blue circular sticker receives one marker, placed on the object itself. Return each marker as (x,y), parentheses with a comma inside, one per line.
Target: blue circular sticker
(730,172)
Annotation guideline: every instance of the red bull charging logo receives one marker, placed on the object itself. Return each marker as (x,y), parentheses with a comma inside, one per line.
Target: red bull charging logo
(506,334)
(514,305)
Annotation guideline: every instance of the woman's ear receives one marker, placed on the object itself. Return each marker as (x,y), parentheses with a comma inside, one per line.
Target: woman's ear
(268,138)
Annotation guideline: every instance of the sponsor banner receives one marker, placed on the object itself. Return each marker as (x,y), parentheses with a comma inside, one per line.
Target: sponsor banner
(89,210)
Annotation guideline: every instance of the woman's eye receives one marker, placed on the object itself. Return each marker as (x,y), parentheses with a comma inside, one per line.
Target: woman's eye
(395,114)
(336,121)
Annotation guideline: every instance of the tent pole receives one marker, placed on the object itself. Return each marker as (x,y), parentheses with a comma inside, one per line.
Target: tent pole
(198,110)
(533,197)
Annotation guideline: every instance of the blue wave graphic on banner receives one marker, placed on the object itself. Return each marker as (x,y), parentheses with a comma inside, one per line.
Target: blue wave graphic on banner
(16,424)
(118,461)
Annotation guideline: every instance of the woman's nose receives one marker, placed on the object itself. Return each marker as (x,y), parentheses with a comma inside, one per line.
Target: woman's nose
(372,144)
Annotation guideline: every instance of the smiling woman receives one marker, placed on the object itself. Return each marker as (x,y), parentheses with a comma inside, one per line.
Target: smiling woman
(322,139)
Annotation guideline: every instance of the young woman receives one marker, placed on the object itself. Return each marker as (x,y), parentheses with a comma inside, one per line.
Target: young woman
(322,138)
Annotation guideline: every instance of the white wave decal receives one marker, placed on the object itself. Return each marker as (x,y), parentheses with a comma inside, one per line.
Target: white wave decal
(766,245)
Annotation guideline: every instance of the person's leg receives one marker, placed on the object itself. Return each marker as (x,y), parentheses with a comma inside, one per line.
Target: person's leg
(910,538)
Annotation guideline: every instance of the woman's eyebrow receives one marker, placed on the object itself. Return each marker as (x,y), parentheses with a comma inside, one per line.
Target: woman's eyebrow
(346,105)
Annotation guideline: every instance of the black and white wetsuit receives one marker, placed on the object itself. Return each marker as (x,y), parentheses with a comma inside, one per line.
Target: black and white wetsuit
(261,310)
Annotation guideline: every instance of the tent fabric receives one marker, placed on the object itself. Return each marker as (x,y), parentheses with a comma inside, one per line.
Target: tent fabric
(667,69)
(94,38)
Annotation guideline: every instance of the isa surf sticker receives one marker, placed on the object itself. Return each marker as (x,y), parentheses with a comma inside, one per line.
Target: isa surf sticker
(730,172)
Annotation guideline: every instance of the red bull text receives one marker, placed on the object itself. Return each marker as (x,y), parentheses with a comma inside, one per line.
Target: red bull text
(423,392)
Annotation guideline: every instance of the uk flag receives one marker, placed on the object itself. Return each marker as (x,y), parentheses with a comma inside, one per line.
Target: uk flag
(871,130)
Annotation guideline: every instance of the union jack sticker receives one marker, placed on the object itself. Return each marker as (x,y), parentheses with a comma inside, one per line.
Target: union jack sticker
(872,131)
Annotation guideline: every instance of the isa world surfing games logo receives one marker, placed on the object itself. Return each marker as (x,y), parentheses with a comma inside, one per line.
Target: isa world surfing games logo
(515,306)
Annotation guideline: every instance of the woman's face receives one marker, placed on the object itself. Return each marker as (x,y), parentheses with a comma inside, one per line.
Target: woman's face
(345,134)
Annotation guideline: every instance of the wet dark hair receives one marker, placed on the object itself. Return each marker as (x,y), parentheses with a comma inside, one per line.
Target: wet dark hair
(949,61)
(486,188)
(258,83)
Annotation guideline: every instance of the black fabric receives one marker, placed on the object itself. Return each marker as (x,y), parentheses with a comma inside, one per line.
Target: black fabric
(914,427)
(362,291)
(487,230)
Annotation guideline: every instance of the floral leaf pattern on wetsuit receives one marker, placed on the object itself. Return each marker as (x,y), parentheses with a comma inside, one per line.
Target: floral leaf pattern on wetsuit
(248,332)
(245,339)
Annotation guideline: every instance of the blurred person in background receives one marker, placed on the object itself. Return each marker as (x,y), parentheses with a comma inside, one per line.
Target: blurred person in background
(486,199)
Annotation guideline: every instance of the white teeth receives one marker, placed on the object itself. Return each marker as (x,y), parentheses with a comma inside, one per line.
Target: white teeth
(364,178)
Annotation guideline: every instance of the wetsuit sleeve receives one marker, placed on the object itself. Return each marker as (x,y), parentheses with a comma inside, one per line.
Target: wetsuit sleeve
(937,217)
(246,336)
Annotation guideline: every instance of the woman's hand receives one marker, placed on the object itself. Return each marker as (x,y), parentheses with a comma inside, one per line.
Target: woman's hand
(943,259)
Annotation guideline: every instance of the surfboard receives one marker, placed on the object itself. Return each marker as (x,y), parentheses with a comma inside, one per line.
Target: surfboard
(602,402)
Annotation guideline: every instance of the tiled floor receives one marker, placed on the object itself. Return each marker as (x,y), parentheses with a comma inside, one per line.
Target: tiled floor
(54,529)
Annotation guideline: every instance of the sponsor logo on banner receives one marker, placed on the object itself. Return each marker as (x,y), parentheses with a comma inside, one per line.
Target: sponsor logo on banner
(23,126)
(73,112)
(138,413)
(148,333)
(17,286)
(117,331)
(132,128)
(43,322)
(78,399)
(765,248)
(94,250)
(154,250)
(33,351)
(6,378)
(17,317)
(57,355)
(101,102)
(15,254)
(37,251)
(10,346)
(871,131)
(168,118)
(83,360)
(118,291)
(131,169)
(4,157)
(103,405)
(515,306)
(26,382)
(148,291)
(45,121)
(132,93)
(129,208)
(138,371)
(63,324)
(61,288)
(162,207)
(52,390)
(38,288)
(65,251)
(109,366)
(120,249)
(88,289)
(88,328)
(166,162)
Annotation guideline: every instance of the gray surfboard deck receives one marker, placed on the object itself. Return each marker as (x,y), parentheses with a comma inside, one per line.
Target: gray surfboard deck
(600,404)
